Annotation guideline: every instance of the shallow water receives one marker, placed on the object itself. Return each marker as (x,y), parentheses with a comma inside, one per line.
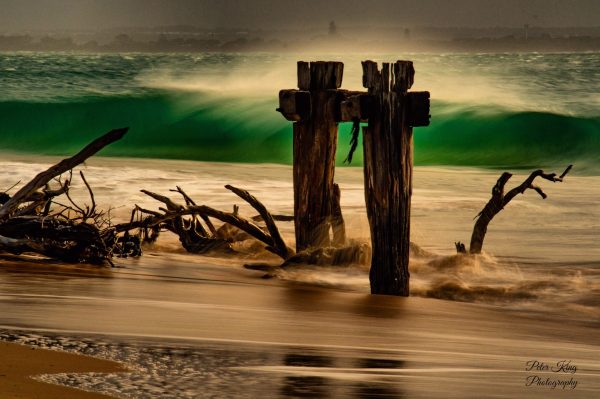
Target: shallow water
(197,327)
(539,253)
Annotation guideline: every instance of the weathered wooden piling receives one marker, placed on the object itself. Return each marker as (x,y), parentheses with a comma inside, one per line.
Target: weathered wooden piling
(388,168)
(313,108)
(338,226)
(391,112)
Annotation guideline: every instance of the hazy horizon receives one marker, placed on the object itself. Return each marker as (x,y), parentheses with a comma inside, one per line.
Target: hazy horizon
(30,15)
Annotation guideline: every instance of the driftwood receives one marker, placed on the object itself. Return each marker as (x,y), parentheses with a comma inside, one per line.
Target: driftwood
(198,239)
(499,200)
(56,238)
(33,221)
(184,221)
(331,256)
(64,166)
(266,217)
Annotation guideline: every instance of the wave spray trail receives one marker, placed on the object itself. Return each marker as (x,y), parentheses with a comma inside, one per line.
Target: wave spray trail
(516,111)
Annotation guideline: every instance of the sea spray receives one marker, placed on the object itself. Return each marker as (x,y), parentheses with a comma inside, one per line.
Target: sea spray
(513,111)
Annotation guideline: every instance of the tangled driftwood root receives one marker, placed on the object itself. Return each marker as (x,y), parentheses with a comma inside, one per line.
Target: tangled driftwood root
(45,220)
(193,224)
(196,231)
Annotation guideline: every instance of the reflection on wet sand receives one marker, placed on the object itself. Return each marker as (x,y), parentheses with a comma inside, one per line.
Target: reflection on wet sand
(194,330)
(300,360)
(305,387)
(323,387)
(366,391)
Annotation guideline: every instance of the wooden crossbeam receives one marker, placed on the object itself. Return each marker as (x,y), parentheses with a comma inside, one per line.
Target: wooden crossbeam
(419,105)
(295,105)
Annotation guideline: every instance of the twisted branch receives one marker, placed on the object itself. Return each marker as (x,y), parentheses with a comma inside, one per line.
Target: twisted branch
(499,200)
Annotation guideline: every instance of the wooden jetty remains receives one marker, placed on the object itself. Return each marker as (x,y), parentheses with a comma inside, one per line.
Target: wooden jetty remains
(313,109)
(391,112)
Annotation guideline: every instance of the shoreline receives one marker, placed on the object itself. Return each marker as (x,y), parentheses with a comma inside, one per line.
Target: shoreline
(387,343)
(20,364)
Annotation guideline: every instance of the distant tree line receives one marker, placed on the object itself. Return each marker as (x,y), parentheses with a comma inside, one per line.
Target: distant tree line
(333,41)
(125,43)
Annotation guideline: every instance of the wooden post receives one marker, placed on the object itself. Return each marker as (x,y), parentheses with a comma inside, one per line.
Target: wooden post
(388,159)
(391,111)
(315,144)
(338,226)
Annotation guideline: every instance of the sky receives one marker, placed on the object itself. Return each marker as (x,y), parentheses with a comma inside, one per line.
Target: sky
(22,15)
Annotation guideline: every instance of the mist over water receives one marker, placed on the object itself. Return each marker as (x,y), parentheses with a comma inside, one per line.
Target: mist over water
(488,110)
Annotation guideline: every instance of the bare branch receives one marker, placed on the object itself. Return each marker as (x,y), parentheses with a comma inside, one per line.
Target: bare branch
(566,171)
(171,206)
(187,198)
(67,164)
(11,187)
(278,242)
(148,211)
(499,201)
(190,201)
(277,218)
(539,191)
(90,212)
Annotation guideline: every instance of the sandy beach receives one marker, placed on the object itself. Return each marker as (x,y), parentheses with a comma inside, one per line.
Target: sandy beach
(20,363)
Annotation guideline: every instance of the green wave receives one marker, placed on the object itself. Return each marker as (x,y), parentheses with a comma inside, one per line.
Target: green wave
(215,128)
(489,137)
(162,126)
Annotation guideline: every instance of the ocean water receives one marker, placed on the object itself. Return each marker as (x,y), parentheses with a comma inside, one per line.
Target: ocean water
(488,110)
(540,255)
(191,326)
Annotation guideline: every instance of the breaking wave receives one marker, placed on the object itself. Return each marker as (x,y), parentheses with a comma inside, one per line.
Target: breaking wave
(208,127)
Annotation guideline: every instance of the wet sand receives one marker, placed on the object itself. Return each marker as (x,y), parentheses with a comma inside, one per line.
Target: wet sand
(20,363)
(241,336)
(193,326)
